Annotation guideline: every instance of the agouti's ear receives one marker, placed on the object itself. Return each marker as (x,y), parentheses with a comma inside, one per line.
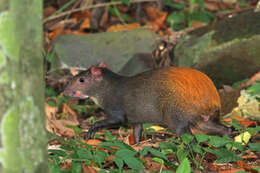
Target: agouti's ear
(95,71)
(102,64)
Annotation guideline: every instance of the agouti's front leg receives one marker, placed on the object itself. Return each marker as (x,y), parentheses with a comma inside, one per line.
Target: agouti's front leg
(115,118)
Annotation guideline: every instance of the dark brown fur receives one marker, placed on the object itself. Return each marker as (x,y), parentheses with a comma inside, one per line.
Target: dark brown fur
(179,98)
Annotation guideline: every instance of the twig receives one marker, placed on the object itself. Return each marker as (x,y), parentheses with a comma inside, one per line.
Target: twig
(92,6)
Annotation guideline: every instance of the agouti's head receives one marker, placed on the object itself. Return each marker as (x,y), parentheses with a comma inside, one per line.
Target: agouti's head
(86,83)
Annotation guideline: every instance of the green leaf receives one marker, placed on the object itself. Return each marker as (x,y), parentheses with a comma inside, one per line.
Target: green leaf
(201,137)
(217,141)
(202,16)
(209,150)
(125,153)
(51,103)
(65,171)
(254,147)
(61,100)
(175,18)
(114,11)
(165,171)
(155,152)
(54,167)
(175,141)
(76,167)
(109,137)
(167,145)
(118,144)
(243,3)
(159,160)
(50,57)
(84,154)
(236,125)
(254,130)
(257,169)
(126,2)
(100,157)
(197,148)
(66,148)
(237,84)
(50,92)
(58,152)
(119,162)
(80,108)
(226,156)
(200,3)
(171,4)
(181,154)
(76,129)
(238,145)
(184,166)
(254,89)
(133,163)
(186,138)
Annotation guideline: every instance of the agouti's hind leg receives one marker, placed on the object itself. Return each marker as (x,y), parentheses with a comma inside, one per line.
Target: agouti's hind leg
(183,130)
(213,128)
(180,128)
(138,129)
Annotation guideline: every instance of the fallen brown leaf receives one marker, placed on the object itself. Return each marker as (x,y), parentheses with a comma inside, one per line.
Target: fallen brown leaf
(254,79)
(58,126)
(197,24)
(88,169)
(81,15)
(55,33)
(85,24)
(120,27)
(153,13)
(158,19)
(231,171)
(61,24)
(93,142)
(48,11)
(251,155)
(246,167)
(247,123)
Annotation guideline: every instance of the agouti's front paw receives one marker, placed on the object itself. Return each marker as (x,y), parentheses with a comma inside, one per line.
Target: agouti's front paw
(91,132)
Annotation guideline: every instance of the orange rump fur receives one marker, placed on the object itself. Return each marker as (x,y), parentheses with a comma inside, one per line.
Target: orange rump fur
(191,89)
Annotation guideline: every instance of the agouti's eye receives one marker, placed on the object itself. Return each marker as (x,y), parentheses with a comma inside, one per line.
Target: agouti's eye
(81,80)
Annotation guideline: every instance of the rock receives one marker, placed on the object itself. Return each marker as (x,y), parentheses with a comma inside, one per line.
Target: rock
(114,48)
(227,51)
(138,63)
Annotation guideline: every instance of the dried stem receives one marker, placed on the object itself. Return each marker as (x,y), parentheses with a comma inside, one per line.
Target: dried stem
(92,6)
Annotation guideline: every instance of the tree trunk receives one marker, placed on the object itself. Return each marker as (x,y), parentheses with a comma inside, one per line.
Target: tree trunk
(23,138)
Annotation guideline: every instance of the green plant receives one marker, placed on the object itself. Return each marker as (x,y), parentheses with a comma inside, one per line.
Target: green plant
(255,88)
(184,166)
(179,19)
(114,11)
(80,153)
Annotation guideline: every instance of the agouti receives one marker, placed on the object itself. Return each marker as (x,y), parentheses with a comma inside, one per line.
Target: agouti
(176,97)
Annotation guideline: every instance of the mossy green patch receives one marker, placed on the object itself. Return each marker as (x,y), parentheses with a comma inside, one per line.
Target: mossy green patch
(10,156)
(7,36)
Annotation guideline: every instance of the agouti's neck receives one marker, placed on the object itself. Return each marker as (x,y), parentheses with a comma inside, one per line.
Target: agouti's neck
(109,88)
